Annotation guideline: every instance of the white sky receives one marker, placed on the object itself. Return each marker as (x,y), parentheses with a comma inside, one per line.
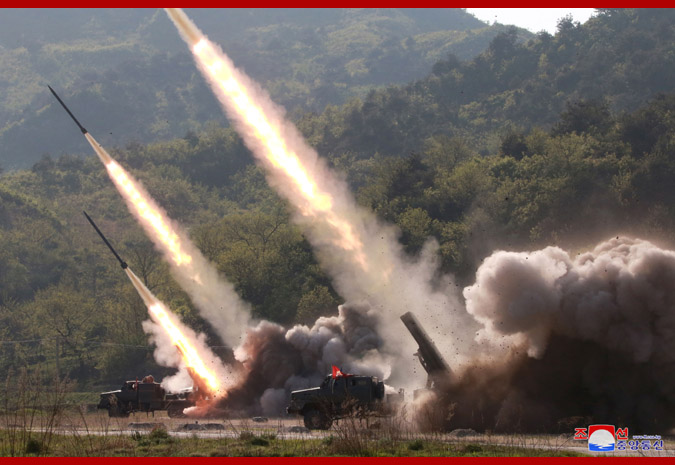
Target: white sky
(534,19)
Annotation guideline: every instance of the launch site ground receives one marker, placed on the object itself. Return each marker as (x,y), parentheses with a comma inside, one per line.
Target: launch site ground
(94,434)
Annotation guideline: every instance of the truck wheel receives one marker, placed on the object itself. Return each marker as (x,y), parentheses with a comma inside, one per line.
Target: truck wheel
(175,411)
(116,411)
(315,419)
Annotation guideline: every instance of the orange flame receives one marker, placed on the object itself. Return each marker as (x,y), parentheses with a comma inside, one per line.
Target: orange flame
(152,216)
(187,350)
(318,203)
(149,213)
(143,206)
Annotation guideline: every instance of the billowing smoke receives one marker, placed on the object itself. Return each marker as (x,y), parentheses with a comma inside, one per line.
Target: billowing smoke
(362,255)
(277,361)
(620,296)
(178,346)
(589,336)
(215,298)
(544,336)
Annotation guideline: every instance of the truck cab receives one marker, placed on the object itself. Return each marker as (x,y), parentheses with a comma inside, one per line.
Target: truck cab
(336,397)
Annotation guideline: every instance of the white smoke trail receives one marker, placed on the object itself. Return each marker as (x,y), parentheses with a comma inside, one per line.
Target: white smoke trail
(362,255)
(215,298)
(616,301)
(180,347)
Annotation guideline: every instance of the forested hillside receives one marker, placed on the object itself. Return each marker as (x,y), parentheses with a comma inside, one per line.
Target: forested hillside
(620,59)
(130,78)
(525,145)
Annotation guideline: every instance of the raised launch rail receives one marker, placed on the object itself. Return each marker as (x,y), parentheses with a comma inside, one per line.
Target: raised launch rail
(431,359)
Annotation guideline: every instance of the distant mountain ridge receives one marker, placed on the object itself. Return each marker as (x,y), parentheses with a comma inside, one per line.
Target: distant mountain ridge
(129,77)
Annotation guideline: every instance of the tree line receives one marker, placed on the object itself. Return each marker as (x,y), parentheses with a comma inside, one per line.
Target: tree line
(551,167)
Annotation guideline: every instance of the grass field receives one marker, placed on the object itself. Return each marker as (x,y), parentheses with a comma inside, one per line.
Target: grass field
(76,432)
(59,422)
(158,443)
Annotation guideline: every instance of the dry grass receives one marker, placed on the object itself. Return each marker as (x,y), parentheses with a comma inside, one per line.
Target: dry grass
(39,422)
(31,413)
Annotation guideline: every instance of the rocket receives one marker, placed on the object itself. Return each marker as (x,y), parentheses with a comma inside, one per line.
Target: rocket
(123,264)
(84,131)
(100,151)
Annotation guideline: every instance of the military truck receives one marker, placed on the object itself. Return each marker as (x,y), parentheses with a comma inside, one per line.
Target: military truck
(145,396)
(342,395)
(337,397)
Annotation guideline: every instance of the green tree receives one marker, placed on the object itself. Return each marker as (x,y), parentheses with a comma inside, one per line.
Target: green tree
(315,303)
(584,116)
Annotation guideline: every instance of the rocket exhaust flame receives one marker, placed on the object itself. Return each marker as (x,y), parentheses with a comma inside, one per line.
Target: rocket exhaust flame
(362,255)
(191,357)
(267,135)
(178,335)
(215,298)
(144,208)
(177,345)
(150,214)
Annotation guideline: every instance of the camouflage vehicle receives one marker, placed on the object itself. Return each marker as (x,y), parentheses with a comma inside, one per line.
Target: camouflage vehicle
(145,396)
(337,397)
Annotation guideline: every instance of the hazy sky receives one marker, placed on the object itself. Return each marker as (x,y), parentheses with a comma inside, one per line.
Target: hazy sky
(534,19)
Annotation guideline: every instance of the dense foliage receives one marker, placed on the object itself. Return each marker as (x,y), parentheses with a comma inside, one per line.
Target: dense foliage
(622,57)
(128,75)
(560,164)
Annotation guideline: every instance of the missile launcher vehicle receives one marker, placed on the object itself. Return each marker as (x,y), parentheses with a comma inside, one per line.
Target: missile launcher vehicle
(145,396)
(336,397)
(342,395)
